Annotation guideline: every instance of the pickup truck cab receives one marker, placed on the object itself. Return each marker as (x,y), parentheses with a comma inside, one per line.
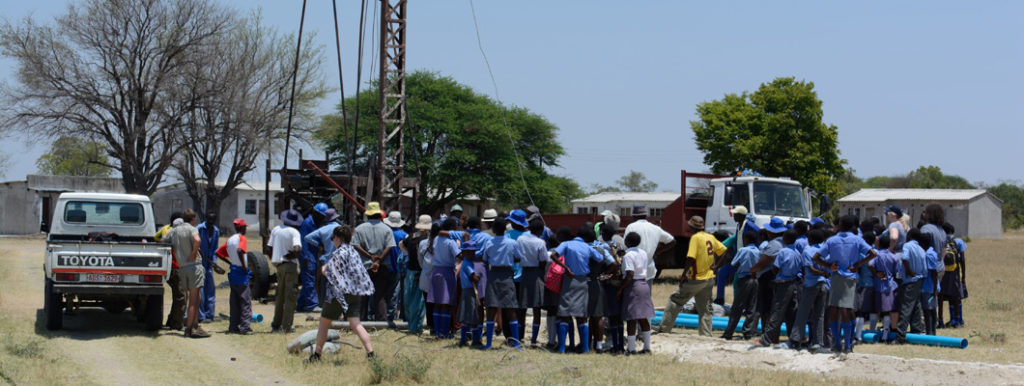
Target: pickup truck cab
(100,252)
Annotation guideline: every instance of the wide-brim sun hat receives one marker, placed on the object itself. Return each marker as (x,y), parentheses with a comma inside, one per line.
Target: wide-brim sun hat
(372,208)
(518,216)
(394,219)
(776,225)
(291,217)
(424,222)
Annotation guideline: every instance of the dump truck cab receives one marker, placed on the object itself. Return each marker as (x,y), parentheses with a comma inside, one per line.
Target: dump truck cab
(764,198)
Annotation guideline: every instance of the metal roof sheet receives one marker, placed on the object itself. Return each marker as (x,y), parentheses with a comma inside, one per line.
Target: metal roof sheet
(879,195)
(628,197)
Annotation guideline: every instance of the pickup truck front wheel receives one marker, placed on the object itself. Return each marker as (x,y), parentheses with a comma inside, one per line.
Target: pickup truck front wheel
(154,312)
(52,308)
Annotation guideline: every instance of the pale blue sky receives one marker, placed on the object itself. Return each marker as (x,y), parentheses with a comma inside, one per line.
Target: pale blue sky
(907,84)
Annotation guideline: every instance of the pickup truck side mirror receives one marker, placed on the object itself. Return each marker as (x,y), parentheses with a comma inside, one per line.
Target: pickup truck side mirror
(44,227)
(825,204)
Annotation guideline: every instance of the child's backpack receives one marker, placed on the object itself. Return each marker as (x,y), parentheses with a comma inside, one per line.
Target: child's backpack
(952,255)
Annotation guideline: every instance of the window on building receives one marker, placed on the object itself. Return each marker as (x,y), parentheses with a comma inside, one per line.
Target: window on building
(581,210)
(593,209)
(625,211)
(657,212)
(250,206)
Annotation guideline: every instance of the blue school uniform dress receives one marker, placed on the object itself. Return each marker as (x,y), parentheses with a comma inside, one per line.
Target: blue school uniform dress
(500,253)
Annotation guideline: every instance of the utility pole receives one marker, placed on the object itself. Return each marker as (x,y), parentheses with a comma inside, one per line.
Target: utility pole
(392,117)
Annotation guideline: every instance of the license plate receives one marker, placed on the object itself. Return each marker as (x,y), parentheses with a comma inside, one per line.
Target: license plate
(103,278)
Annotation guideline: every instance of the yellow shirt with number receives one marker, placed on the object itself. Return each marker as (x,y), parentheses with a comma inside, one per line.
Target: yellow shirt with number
(703,248)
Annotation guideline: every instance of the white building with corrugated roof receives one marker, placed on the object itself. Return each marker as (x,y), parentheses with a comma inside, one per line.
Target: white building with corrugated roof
(974,213)
(622,203)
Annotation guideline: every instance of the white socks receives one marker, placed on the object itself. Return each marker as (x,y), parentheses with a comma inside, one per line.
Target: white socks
(858,328)
(599,345)
(646,336)
(631,343)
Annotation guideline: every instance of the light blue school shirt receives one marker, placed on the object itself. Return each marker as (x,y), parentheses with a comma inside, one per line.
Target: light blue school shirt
(915,258)
(807,260)
(772,249)
(501,251)
(844,249)
(788,263)
(533,249)
(445,251)
(801,244)
(745,258)
(577,254)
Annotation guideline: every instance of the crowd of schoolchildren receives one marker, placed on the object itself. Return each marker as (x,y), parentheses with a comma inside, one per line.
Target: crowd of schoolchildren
(480,277)
(830,283)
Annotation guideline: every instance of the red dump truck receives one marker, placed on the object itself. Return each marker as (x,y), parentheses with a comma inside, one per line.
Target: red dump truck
(713,197)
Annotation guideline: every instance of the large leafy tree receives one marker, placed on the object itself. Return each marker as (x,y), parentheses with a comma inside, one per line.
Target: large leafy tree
(106,71)
(776,130)
(70,156)
(457,144)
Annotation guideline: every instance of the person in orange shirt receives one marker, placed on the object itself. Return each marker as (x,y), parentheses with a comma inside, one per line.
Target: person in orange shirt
(698,278)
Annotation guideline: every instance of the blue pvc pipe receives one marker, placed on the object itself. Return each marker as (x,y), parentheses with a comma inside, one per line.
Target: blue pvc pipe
(257,318)
(720,323)
(939,341)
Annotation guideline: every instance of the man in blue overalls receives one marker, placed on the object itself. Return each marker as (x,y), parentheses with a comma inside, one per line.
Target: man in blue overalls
(209,237)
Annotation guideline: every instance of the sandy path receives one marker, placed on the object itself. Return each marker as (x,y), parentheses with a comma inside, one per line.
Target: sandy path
(114,349)
(882,368)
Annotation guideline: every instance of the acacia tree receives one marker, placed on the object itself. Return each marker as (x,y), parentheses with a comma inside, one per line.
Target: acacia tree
(236,107)
(105,72)
(457,145)
(776,131)
(70,156)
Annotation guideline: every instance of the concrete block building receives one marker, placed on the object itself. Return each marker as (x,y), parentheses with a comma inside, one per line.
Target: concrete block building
(974,213)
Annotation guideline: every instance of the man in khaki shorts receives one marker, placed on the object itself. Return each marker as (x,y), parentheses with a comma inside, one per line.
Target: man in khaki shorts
(184,239)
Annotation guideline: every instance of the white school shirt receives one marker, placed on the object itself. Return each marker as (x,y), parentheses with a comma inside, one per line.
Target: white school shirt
(635,260)
(284,239)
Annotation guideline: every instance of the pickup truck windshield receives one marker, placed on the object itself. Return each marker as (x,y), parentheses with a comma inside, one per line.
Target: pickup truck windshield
(775,199)
(103,213)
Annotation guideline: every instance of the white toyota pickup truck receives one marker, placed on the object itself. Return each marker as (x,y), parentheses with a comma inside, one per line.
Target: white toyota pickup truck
(100,252)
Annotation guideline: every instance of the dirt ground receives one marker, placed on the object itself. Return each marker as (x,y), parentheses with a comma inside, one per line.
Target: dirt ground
(97,347)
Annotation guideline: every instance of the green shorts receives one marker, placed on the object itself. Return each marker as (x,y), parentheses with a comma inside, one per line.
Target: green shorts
(333,311)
